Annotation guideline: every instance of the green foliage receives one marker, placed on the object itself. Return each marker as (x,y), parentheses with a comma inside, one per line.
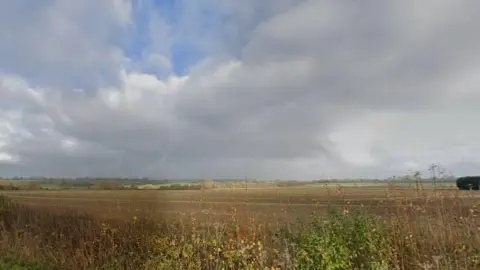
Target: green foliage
(14,266)
(343,241)
(7,261)
(206,252)
(5,204)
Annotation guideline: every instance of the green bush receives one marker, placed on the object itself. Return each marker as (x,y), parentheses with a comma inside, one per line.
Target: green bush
(343,241)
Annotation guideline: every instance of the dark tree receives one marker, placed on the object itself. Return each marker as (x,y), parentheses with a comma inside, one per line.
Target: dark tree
(468,182)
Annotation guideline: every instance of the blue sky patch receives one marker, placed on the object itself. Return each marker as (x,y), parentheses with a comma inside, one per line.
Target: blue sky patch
(181,50)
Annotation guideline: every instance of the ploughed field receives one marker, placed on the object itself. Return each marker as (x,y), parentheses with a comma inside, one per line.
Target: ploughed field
(271,204)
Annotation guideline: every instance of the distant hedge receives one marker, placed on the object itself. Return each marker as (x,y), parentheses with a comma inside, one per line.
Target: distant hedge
(468,182)
(8,187)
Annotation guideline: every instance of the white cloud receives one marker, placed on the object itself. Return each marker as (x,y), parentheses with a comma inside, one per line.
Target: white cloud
(7,158)
(123,10)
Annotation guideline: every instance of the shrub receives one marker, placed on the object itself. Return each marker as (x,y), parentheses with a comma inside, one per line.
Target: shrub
(468,182)
(344,241)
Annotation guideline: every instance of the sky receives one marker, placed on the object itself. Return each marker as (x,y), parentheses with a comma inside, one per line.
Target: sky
(271,89)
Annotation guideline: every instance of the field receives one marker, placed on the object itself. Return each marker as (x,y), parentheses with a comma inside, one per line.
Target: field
(217,204)
(366,226)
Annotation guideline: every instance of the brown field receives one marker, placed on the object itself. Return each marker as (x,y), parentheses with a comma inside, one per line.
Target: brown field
(239,228)
(219,204)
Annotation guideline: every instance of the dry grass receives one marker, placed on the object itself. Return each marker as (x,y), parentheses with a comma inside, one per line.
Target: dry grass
(266,203)
(236,229)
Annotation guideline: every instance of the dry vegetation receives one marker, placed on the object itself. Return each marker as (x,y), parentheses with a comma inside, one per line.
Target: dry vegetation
(241,228)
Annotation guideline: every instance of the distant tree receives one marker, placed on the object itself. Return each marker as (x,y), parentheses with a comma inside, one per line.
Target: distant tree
(469,182)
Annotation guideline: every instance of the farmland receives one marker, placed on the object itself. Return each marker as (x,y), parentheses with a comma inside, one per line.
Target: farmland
(215,204)
(403,227)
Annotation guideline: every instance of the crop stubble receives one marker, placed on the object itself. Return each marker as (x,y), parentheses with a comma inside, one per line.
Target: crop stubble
(270,204)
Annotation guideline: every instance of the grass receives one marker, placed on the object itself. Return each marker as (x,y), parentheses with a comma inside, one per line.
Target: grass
(286,228)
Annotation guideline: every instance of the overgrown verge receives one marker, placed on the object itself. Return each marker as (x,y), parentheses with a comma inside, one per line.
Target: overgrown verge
(342,239)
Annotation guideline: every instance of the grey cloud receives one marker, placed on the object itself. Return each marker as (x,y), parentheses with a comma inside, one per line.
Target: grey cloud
(332,88)
(372,53)
(65,44)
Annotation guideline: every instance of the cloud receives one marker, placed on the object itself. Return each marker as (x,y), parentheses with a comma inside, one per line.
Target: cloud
(270,89)
(63,44)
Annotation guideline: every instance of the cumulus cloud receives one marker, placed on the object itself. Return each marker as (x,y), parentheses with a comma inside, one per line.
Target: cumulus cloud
(281,89)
